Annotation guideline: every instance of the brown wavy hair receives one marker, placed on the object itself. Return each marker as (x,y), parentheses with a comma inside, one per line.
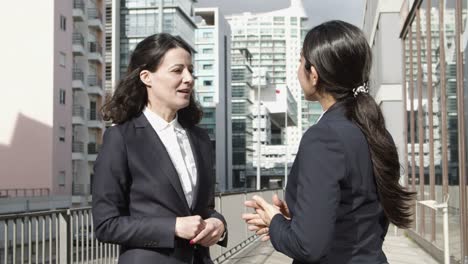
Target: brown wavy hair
(342,58)
(131,96)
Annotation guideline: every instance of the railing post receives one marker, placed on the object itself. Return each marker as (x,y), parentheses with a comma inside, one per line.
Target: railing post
(446,234)
(64,255)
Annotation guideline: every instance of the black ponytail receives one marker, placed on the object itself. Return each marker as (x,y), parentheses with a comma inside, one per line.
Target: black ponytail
(342,58)
(396,200)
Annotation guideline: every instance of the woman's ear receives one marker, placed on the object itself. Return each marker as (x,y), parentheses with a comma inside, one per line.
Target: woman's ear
(145,77)
(314,75)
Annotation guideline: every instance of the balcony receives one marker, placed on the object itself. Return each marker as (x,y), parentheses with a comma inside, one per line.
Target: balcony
(95,120)
(95,85)
(78,44)
(78,10)
(78,78)
(78,114)
(95,52)
(95,19)
(81,189)
(77,150)
(93,149)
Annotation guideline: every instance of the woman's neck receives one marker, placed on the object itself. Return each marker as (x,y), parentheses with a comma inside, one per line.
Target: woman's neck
(167,114)
(326,101)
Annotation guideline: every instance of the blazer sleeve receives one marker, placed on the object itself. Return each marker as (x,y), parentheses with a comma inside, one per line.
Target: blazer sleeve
(320,166)
(111,185)
(210,211)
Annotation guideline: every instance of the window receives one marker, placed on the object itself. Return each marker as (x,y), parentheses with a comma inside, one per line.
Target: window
(294,21)
(207,34)
(207,51)
(208,66)
(62,96)
(207,83)
(62,59)
(63,23)
(208,114)
(62,134)
(61,178)
(208,99)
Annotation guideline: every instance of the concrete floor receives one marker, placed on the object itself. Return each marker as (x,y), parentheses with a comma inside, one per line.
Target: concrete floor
(398,248)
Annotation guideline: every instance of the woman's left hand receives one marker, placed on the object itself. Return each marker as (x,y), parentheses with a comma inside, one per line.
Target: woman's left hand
(214,229)
(265,212)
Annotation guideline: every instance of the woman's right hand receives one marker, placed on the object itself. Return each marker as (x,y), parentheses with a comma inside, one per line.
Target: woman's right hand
(188,227)
(282,206)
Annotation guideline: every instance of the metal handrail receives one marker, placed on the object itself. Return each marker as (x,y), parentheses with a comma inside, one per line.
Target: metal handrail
(67,235)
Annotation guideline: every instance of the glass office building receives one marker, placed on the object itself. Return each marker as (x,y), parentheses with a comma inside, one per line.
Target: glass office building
(141,18)
(242,118)
(435,91)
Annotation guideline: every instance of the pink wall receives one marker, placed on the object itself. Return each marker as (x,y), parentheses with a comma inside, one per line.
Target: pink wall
(62,114)
(26,161)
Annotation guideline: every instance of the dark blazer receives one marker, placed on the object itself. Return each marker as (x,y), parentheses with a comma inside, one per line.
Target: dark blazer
(336,216)
(137,194)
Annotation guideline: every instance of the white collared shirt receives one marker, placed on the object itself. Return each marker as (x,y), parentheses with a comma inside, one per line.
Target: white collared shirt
(320,117)
(171,134)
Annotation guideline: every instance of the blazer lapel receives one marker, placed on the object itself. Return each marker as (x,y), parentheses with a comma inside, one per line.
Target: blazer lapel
(194,144)
(160,154)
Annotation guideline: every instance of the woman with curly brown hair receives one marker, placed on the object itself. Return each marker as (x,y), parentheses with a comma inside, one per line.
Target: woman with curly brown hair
(153,185)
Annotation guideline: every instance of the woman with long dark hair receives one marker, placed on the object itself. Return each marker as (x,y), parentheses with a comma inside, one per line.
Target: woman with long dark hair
(153,185)
(343,189)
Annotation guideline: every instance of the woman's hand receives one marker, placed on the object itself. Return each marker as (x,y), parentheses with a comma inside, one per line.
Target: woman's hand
(264,210)
(283,207)
(260,221)
(210,235)
(189,226)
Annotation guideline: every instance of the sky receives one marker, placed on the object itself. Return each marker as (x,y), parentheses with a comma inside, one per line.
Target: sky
(318,10)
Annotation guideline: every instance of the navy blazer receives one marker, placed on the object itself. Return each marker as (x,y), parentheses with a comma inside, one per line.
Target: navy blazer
(336,216)
(137,194)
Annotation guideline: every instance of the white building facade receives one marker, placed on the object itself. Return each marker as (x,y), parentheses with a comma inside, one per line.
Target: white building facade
(275,41)
(212,64)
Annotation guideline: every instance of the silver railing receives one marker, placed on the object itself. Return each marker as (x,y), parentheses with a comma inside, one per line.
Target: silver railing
(67,236)
(60,237)
(24,192)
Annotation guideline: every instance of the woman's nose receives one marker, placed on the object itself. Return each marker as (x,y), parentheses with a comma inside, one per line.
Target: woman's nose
(188,77)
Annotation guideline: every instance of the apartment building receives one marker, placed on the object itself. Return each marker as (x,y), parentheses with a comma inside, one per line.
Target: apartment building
(88,92)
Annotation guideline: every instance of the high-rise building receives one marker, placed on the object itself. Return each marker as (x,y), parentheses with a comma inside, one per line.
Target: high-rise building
(242,117)
(130,21)
(88,91)
(275,41)
(274,109)
(380,27)
(212,62)
(36,102)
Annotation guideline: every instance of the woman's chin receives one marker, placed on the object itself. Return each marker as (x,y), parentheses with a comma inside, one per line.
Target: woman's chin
(181,104)
(310,98)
